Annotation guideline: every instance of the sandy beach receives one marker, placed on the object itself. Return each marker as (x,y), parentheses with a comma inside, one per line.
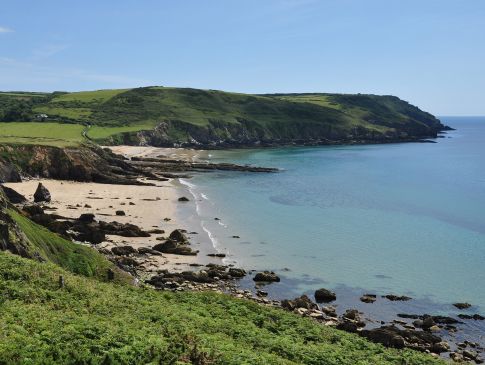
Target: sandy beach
(185,154)
(149,207)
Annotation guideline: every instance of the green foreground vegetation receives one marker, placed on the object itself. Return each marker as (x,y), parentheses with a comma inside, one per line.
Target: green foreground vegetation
(90,322)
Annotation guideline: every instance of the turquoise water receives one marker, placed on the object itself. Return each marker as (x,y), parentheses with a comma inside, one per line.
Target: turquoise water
(401,218)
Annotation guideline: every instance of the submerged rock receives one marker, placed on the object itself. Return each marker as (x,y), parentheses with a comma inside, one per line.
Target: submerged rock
(183,199)
(462,305)
(368,298)
(394,298)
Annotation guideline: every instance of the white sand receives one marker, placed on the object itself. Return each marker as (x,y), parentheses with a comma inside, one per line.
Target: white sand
(185,154)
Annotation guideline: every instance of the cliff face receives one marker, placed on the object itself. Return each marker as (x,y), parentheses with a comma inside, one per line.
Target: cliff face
(11,236)
(79,164)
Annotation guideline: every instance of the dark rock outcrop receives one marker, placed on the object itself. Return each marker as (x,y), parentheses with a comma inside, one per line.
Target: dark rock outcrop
(323,295)
(123,250)
(462,305)
(301,302)
(266,276)
(42,194)
(13,196)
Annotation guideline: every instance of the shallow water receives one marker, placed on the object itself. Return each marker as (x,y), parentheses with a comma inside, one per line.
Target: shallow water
(398,218)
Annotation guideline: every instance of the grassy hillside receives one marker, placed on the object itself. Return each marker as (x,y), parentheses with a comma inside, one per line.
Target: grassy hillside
(73,257)
(213,117)
(89,322)
(49,134)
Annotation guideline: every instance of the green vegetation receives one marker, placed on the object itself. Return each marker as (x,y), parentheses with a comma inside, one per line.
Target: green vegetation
(42,133)
(89,322)
(76,258)
(210,116)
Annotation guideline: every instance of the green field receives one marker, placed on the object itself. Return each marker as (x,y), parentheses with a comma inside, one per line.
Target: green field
(40,133)
(210,116)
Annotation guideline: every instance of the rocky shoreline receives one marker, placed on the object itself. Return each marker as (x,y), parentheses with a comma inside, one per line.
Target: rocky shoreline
(422,332)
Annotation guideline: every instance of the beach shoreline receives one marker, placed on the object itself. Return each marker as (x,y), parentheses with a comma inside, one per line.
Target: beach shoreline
(157,207)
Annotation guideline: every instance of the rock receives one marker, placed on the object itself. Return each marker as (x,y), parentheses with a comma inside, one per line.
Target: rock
(394,298)
(131,203)
(42,194)
(120,213)
(301,302)
(330,311)
(392,336)
(86,217)
(170,246)
(123,250)
(323,295)
(178,236)
(261,293)
(476,317)
(183,199)
(347,327)
(266,276)
(237,273)
(126,262)
(462,305)
(469,355)
(440,347)
(13,196)
(87,206)
(455,356)
(148,251)
(221,255)
(156,231)
(428,322)
(368,298)
(33,209)
(352,314)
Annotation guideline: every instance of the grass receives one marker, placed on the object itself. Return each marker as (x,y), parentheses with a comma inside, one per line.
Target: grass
(90,322)
(98,133)
(41,133)
(75,258)
(216,115)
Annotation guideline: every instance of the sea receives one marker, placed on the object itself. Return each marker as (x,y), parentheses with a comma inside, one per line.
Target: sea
(404,218)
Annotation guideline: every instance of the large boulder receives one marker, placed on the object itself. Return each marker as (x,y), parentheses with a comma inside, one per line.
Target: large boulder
(301,302)
(323,295)
(86,217)
(266,276)
(42,194)
(123,250)
(178,236)
(171,246)
(13,196)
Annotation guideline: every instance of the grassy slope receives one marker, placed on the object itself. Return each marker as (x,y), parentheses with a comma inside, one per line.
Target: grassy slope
(93,322)
(112,112)
(76,258)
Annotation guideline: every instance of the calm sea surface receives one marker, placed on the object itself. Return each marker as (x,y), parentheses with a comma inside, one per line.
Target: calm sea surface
(398,218)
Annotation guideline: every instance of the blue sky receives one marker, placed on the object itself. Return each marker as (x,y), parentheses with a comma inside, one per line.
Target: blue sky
(430,53)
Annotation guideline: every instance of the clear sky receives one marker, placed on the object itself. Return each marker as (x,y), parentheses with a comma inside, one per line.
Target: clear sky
(428,52)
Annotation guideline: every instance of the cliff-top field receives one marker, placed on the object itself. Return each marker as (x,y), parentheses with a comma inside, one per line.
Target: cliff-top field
(210,116)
